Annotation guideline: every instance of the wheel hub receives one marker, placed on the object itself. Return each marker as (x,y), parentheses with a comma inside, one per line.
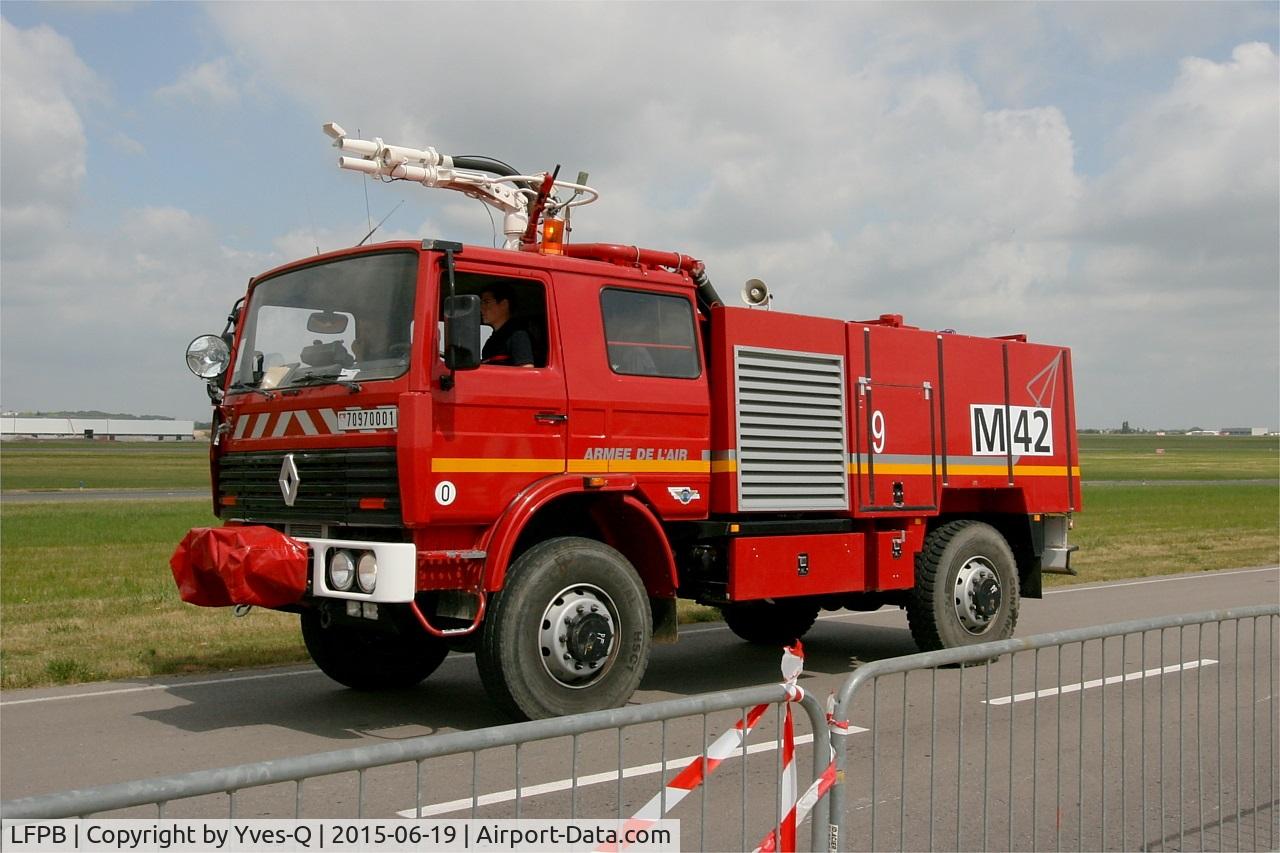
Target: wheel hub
(590,638)
(577,635)
(977,595)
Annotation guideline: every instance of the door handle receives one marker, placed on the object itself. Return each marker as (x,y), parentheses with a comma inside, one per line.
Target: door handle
(550,418)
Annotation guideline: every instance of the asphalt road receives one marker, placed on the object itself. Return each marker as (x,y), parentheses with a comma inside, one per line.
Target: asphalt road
(86,735)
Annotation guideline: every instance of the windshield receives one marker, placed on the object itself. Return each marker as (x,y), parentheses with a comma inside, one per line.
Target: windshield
(346,320)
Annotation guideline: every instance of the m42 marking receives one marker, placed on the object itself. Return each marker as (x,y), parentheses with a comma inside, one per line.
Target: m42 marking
(1027,429)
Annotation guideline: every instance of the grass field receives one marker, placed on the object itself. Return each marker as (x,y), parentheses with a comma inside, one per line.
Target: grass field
(1179,457)
(86,593)
(45,465)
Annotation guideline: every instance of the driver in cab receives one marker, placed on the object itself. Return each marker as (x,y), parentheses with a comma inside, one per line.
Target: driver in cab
(511,343)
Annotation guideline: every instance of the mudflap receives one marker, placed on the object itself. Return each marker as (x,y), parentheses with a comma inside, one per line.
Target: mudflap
(221,566)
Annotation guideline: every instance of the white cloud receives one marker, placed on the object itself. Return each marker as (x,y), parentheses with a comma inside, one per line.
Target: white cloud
(41,132)
(1208,143)
(101,320)
(863,159)
(1179,260)
(93,317)
(844,155)
(209,83)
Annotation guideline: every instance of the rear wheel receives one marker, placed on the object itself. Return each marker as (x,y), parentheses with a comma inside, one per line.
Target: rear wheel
(770,623)
(966,588)
(364,659)
(569,632)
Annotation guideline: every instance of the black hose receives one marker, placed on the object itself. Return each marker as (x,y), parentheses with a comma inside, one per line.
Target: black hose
(481,163)
(707,296)
(485,164)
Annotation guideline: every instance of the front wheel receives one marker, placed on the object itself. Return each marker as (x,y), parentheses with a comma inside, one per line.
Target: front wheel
(966,588)
(365,659)
(569,632)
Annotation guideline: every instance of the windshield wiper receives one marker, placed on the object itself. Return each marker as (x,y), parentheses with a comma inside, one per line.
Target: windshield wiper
(244,386)
(326,379)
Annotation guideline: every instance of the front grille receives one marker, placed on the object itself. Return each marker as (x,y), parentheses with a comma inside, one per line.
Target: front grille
(331,484)
(791,430)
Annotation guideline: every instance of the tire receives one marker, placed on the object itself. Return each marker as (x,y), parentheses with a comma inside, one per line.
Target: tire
(966,589)
(364,659)
(569,632)
(770,623)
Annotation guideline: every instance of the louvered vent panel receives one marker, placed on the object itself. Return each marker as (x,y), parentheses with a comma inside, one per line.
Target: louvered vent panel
(791,430)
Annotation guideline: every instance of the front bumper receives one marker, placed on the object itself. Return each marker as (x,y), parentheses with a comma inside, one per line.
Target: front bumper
(397,569)
(258,565)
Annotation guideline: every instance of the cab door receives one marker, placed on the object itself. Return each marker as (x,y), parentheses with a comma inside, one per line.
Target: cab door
(499,428)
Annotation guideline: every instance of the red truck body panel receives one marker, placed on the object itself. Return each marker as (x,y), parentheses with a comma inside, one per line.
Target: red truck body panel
(896,410)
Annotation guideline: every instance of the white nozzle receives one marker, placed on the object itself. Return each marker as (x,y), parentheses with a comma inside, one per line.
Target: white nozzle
(357,146)
(357,164)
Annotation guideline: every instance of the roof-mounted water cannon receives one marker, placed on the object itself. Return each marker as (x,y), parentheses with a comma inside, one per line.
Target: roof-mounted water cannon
(482,178)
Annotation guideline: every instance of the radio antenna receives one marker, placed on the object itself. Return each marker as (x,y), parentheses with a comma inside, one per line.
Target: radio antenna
(380,221)
(368,217)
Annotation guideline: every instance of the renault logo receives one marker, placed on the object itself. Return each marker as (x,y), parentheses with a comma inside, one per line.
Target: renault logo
(289,480)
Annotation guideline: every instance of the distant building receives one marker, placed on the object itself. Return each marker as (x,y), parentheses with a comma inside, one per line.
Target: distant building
(104,428)
(1245,431)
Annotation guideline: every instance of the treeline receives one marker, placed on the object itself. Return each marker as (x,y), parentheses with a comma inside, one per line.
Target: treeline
(95,414)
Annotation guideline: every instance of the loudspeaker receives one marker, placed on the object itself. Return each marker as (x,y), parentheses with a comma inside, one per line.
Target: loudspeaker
(754,292)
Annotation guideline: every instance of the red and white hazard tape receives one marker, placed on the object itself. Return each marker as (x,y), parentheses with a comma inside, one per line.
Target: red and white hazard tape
(815,792)
(730,743)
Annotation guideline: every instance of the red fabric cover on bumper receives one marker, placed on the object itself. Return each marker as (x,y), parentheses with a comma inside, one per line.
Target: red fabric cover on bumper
(219,566)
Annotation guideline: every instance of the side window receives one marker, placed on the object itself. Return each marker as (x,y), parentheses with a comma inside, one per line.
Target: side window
(515,317)
(649,334)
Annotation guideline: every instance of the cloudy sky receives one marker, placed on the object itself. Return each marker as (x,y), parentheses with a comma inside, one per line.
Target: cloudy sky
(1103,176)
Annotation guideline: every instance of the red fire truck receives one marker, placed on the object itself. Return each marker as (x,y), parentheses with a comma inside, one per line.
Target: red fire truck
(406,496)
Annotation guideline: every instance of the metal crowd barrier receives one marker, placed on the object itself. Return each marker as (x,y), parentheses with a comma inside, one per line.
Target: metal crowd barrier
(1155,734)
(434,768)
(1152,735)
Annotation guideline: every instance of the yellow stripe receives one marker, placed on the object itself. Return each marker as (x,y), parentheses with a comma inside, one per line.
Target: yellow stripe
(719,466)
(1043,471)
(497,466)
(638,466)
(575,466)
(973,470)
(661,466)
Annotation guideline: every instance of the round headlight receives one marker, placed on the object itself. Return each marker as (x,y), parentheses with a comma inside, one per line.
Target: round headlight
(342,570)
(367,571)
(208,356)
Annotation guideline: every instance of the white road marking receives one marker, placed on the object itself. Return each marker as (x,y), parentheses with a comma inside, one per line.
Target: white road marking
(1098,682)
(174,685)
(592,779)
(1114,584)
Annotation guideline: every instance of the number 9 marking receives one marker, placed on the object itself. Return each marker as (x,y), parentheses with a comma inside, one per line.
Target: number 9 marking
(445,492)
(877,431)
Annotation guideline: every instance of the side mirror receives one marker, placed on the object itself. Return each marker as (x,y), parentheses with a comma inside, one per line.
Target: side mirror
(462,332)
